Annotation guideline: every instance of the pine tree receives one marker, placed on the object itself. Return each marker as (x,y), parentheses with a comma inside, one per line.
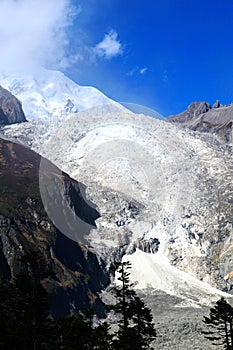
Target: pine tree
(135,328)
(32,308)
(24,311)
(220,323)
(74,333)
(143,321)
(101,337)
(8,332)
(124,294)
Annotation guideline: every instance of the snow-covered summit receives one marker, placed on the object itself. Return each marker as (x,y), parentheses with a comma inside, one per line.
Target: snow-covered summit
(47,93)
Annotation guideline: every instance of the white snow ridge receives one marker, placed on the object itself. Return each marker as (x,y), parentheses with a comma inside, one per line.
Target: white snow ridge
(48,93)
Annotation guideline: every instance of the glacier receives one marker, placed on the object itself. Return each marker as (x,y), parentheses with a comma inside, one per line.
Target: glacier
(158,188)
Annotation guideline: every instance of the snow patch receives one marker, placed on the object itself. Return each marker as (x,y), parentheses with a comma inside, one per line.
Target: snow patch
(153,271)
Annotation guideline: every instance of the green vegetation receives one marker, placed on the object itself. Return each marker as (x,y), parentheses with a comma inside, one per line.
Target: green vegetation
(27,325)
(14,192)
(24,310)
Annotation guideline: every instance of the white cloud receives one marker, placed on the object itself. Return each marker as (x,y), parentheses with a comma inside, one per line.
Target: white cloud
(34,33)
(137,71)
(110,46)
(143,70)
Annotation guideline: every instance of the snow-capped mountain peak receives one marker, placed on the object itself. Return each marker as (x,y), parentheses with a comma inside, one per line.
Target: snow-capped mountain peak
(47,93)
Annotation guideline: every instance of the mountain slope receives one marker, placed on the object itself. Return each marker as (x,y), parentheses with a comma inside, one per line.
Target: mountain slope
(165,197)
(25,225)
(157,187)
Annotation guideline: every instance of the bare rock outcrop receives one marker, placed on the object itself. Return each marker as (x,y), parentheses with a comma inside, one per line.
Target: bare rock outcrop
(11,111)
(200,116)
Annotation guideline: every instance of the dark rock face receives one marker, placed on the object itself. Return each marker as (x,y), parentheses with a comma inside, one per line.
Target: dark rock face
(200,116)
(194,110)
(149,246)
(24,225)
(11,111)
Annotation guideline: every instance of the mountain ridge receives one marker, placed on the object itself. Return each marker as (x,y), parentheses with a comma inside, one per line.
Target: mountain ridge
(200,116)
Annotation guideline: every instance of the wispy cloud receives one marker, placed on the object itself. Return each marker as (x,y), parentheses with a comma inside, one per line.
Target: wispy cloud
(110,46)
(137,71)
(143,70)
(34,33)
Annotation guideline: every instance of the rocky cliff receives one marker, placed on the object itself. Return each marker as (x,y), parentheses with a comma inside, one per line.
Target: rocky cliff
(24,225)
(11,111)
(200,116)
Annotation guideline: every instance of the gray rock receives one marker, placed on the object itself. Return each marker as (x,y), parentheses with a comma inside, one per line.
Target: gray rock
(216,104)
(194,109)
(11,111)
(199,116)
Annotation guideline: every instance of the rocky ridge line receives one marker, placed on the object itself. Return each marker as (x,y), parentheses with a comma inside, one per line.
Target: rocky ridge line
(200,116)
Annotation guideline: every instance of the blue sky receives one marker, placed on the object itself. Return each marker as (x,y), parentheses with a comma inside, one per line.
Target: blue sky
(172,52)
(163,54)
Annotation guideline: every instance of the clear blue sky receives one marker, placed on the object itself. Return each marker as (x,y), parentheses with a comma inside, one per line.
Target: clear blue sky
(168,53)
(163,54)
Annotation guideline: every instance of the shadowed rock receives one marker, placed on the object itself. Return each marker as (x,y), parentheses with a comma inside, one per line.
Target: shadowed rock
(24,225)
(11,111)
